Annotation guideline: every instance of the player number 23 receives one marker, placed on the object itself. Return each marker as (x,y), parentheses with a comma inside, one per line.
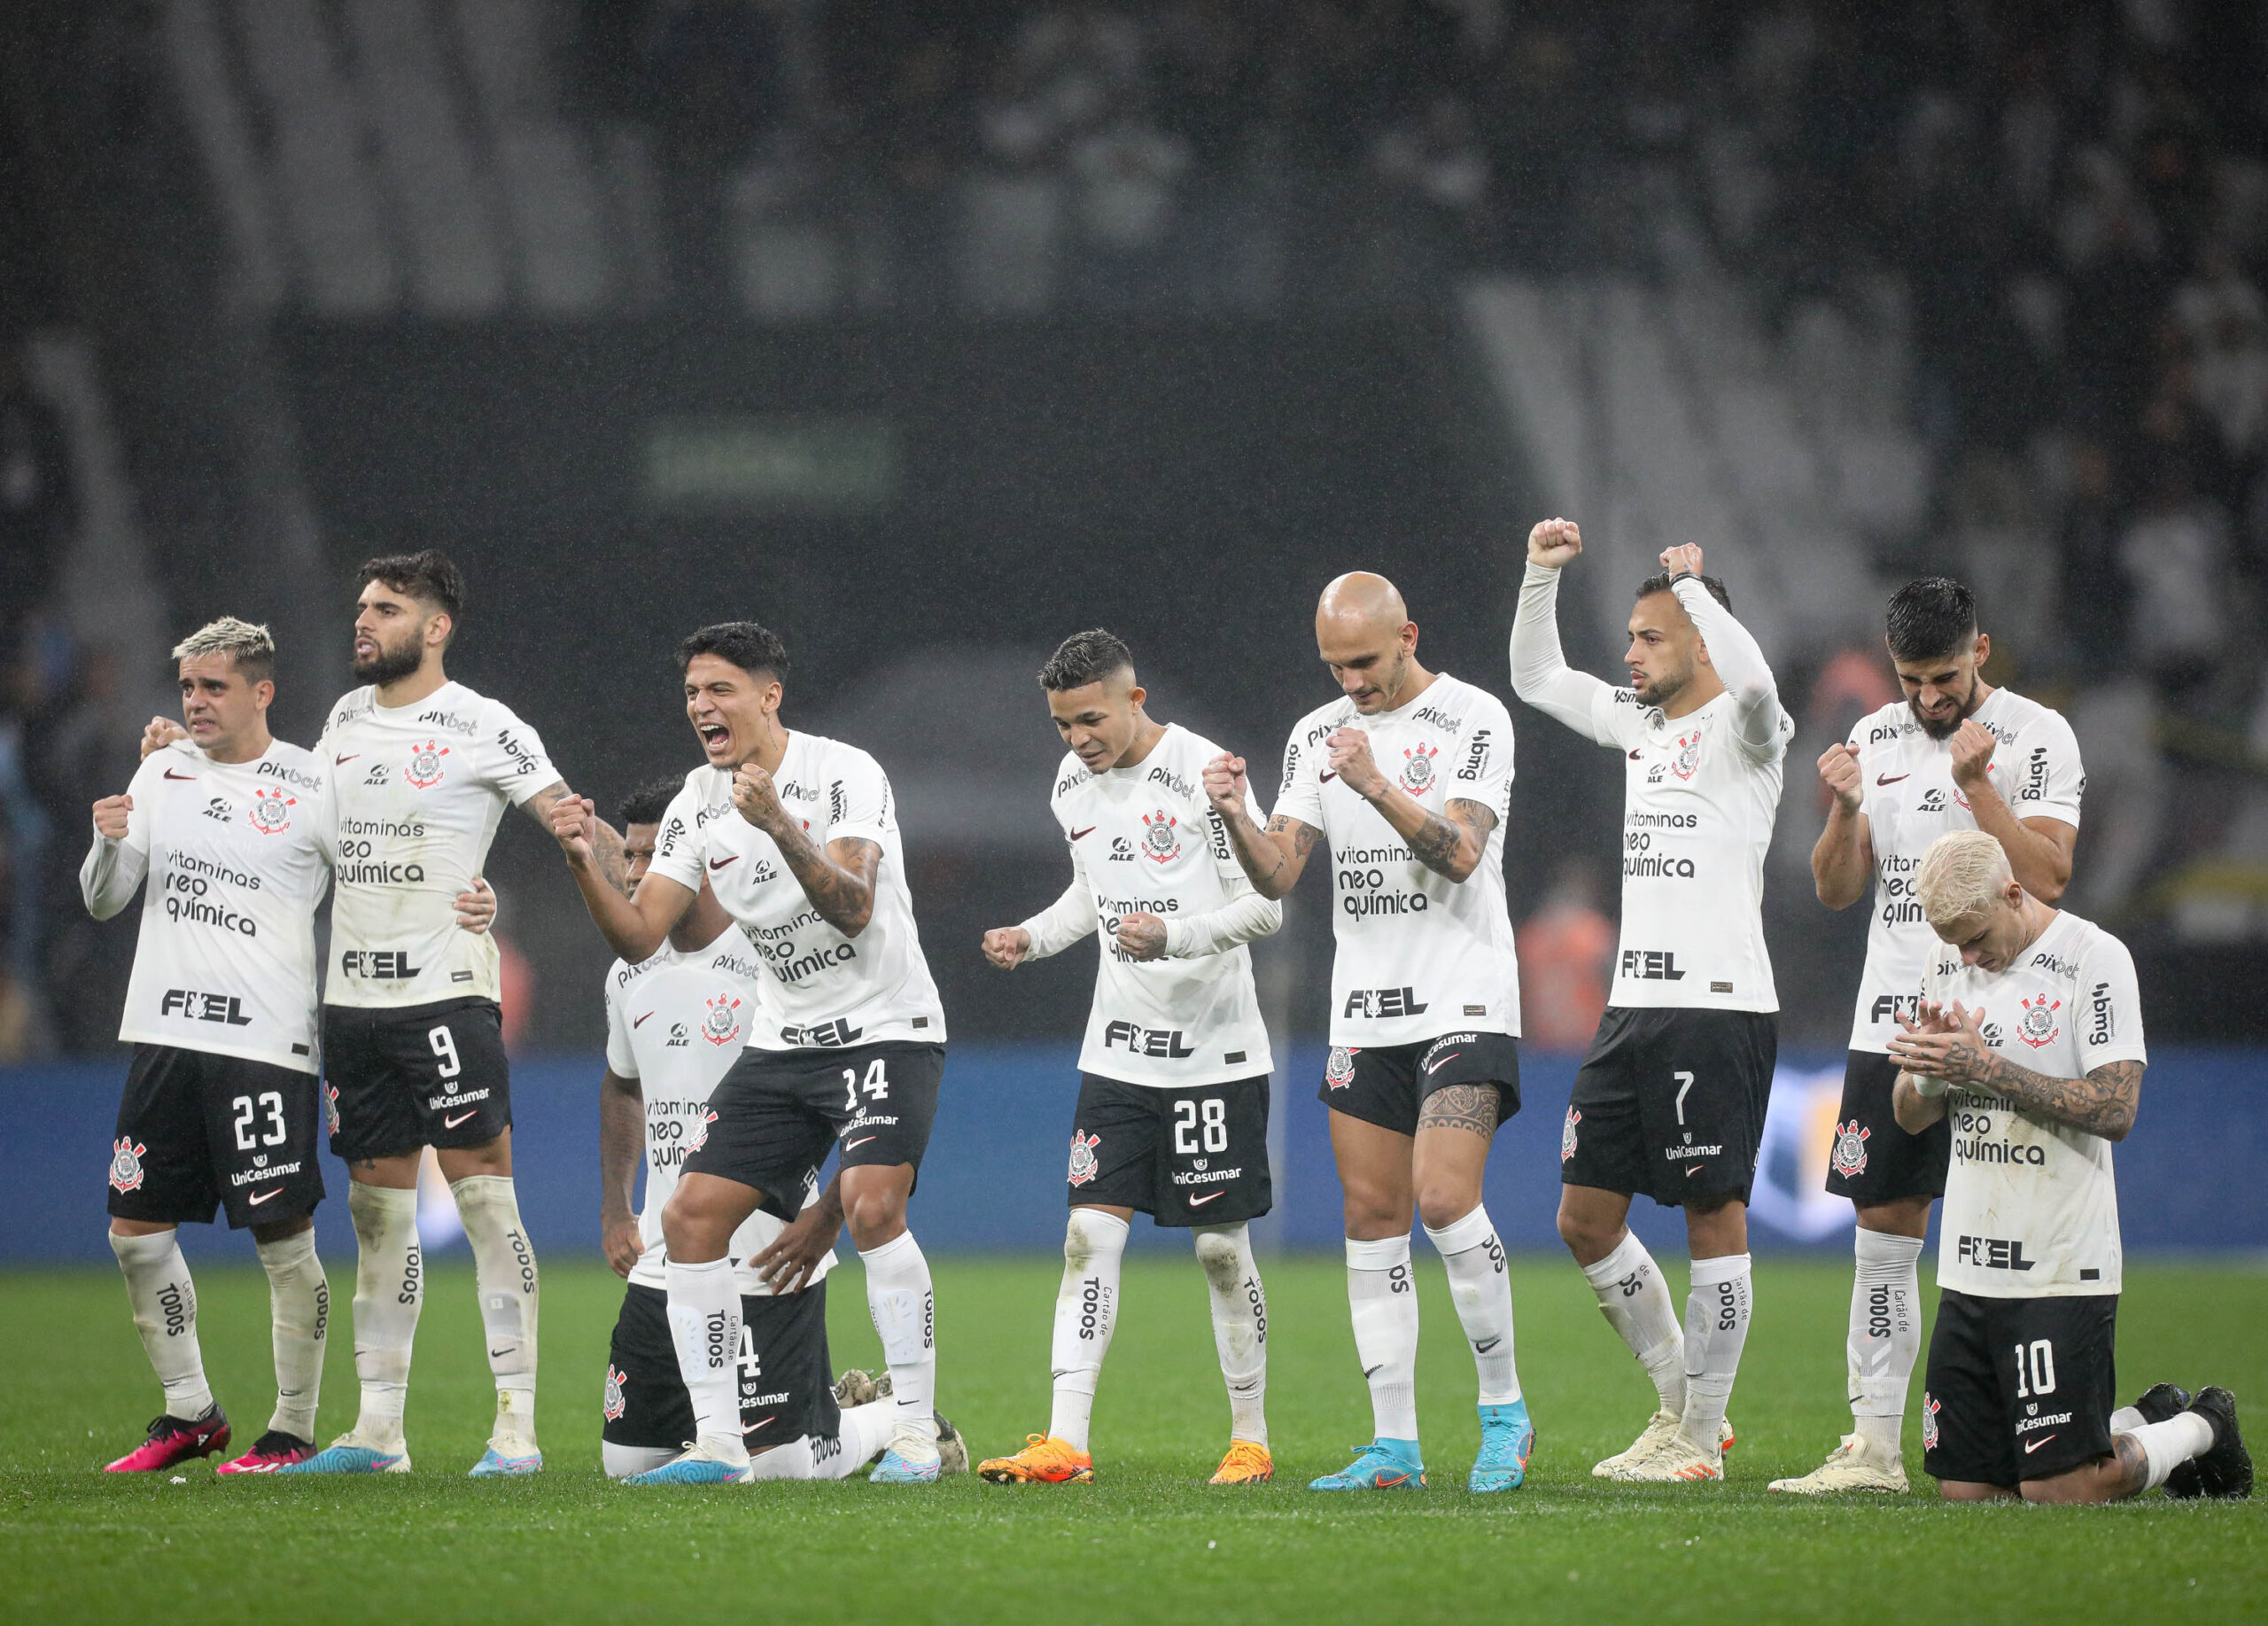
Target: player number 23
(1188,1126)
(249,1107)
(875,1085)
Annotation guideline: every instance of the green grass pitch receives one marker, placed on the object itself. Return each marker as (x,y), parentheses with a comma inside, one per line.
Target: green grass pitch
(1148,1541)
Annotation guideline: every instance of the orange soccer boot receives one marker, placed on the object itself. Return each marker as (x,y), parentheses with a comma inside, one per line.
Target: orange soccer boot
(1247,1464)
(1044,1460)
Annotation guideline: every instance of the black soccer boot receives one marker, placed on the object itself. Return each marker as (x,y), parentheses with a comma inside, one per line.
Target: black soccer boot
(2159,1401)
(2225,1471)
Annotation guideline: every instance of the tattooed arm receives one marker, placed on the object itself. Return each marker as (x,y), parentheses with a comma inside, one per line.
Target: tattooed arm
(1450,843)
(606,845)
(2102,1103)
(1272,859)
(839,880)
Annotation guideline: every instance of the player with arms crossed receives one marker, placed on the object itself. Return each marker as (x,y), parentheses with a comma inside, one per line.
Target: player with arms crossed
(674,1025)
(797,835)
(2028,1044)
(413,1038)
(1172,1114)
(1670,1099)
(231,827)
(1407,777)
(1954,753)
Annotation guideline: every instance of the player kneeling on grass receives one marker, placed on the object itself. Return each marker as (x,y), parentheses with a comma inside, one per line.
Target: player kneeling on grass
(674,1025)
(1172,1115)
(2018,1396)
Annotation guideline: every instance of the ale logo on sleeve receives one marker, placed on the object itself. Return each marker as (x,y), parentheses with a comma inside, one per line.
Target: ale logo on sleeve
(1687,760)
(722,1024)
(1160,844)
(2039,1026)
(1084,1162)
(1849,1157)
(425,765)
(1417,767)
(271,811)
(126,1164)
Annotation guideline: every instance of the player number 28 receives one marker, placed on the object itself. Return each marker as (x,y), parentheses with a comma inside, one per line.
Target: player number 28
(248,1108)
(2041,1364)
(877,1084)
(1188,1126)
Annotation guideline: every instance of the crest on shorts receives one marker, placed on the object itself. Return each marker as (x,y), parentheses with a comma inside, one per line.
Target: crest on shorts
(1929,1420)
(722,1024)
(1687,760)
(701,1135)
(1083,1163)
(1339,1071)
(614,1404)
(425,770)
(331,1106)
(2038,1025)
(1849,1157)
(1567,1134)
(271,811)
(126,1164)
(1417,767)
(1160,844)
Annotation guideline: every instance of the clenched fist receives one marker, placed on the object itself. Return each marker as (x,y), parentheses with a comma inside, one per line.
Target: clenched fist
(1973,744)
(1553,543)
(1005,946)
(110,816)
(756,796)
(573,817)
(1838,767)
(1226,786)
(1685,559)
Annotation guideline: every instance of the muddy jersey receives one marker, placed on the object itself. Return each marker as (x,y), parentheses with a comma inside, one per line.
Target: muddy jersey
(419,791)
(236,856)
(1419,954)
(1909,800)
(2032,1210)
(1144,840)
(676,1024)
(821,988)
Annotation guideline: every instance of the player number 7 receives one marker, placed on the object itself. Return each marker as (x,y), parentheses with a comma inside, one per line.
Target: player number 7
(877,1084)
(1684,1083)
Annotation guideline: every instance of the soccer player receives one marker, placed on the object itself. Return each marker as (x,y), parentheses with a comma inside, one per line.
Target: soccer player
(1670,1099)
(1954,753)
(1407,777)
(797,835)
(2018,1397)
(422,769)
(674,1025)
(1172,1114)
(230,827)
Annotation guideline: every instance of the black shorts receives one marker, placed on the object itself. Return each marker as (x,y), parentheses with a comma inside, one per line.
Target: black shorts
(1671,1103)
(1388,1084)
(1192,1156)
(416,1076)
(1873,1161)
(2019,1388)
(773,1116)
(197,1130)
(787,1389)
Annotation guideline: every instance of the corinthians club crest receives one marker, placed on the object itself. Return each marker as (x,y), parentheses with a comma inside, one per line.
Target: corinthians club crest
(2038,1025)
(1849,1157)
(425,770)
(271,811)
(1339,1071)
(1687,760)
(1418,768)
(614,1404)
(721,1025)
(1160,844)
(126,1164)
(1930,1408)
(1084,1162)
(1567,1134)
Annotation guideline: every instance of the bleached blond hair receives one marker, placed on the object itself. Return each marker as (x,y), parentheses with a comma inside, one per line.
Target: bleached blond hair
(251,649)
(1963,873)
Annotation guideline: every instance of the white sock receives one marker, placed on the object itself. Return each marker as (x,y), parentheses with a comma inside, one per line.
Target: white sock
(1885,1337)
(1086,1312)
(863,1431)
(621,1461)
(792,1460)
(505,1274)
(1636,1304)
(904,1308)
(705,1327)
(1716,1326)
(2125,1419)
(2167,1445)
(389,1291)
(163,1298)
(299,1314)
(1483,1292)
(1382,1300)
(1239,1325)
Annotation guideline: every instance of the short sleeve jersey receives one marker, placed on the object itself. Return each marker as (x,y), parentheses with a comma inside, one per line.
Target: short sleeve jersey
(2032,1210)
(1147,841)
(1697,807)
(235,857)
(420,790)
(822,989)
(677,1024)
(1909,796)
(1419,954)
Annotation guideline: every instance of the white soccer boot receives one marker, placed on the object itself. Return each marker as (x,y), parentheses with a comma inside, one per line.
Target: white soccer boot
(1857,1464)
(1660,1430)
(1678,1461)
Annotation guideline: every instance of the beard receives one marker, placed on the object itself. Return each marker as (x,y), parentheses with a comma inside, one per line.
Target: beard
(389,665)
(1961,713)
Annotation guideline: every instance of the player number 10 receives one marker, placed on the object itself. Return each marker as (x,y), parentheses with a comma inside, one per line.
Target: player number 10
(2042,1374)
(1188,1126)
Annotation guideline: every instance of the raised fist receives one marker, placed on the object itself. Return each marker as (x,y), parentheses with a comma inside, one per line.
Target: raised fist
(1553,543)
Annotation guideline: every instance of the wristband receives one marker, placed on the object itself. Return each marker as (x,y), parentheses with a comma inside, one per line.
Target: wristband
(1927,1086)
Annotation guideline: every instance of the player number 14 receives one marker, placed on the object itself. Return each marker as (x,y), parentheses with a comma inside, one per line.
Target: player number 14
(877,1084)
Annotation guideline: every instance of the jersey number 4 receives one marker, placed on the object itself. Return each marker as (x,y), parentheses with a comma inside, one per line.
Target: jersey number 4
(877,1084)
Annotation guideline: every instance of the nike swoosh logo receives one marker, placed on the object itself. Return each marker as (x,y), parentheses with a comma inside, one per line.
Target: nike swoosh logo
(498,1355)
(1198,1203)
(253,1202)
(1077,835)
(1692,1169)
(1483,1348)
(641,1021)
(192,778)
(1437,1066)
(343,761)
(1368,1370)
(747,1428)
(1327,778)
(1388,1484)
(462,1118)
(1890,779)
(2030,1446)
(853,1145)
(718,863)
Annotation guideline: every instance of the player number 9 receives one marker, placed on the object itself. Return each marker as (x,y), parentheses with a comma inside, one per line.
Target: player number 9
(444,1045)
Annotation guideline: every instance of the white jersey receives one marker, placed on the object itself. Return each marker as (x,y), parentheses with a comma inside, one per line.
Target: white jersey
(1908,798)
(236,856)
(675,1023)
(1419,954)
(1144,840)
(2031,1208)
(420,790)
(824,989)
(1699,796)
